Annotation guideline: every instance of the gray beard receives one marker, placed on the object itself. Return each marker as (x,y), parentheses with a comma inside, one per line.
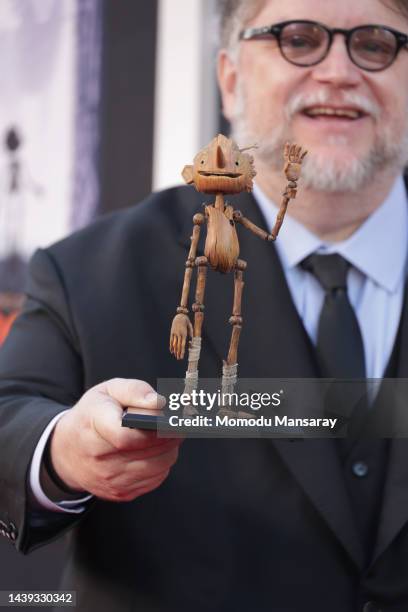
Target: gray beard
(320,173)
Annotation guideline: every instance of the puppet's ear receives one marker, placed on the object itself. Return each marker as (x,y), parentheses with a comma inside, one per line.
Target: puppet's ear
(187,174)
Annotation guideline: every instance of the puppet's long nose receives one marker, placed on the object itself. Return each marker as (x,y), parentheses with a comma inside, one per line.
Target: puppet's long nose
(220,158)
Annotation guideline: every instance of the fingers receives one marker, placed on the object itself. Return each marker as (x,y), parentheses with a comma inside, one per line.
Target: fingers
(176,346)
(300,155)
(156,446)
(106,411)
(141,488)
(124,479)
(293,153)
(132,392)
(138,447)
(180,346)
(173,345)
(183,347)
(150,467)
(115,438)
(178,343)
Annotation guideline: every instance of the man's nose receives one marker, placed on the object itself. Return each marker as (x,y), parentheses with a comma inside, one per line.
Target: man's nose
(337,68)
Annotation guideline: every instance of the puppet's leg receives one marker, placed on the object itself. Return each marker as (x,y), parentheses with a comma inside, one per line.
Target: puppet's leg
(230,367)
(201,264)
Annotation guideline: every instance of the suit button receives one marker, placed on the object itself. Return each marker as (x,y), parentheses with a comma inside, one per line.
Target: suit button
(13,532)
(360,469)
(370,606)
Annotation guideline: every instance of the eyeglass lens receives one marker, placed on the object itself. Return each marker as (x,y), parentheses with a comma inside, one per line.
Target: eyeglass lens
(372,48)
(305,44)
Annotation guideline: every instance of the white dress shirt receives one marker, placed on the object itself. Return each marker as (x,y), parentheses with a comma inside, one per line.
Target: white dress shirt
(375,286)
(375,283)
(73,506)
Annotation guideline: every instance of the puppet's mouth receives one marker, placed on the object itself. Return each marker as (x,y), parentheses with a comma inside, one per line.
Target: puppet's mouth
(217,174)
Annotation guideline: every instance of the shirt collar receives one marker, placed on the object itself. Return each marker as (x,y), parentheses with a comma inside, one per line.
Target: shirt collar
(378,248)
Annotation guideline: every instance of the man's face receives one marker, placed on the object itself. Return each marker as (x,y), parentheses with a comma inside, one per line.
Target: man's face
(268,100)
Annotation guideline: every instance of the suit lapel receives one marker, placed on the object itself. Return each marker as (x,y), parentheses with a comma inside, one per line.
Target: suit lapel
(394,512)
(274,344)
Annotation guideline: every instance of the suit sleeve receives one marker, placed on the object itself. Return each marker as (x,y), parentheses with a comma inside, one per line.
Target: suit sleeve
(40,375)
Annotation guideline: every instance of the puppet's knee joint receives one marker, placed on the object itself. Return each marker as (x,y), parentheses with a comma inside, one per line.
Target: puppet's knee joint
(198,219)
(196,307)
(241,265)
(201,261)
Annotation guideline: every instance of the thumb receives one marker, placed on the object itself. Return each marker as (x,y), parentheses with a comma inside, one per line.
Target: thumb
(134,393)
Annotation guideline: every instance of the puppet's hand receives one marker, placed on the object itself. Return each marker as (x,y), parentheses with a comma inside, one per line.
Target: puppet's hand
(294,156)
(181,328)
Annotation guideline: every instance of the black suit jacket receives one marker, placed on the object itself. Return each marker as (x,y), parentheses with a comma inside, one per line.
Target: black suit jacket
(240,524)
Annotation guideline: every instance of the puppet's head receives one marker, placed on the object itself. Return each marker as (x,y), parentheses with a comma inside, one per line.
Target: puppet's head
(221,167)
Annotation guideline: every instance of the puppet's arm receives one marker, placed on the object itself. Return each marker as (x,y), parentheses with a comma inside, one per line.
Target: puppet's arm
(294,156)
(181,326)
(239,218)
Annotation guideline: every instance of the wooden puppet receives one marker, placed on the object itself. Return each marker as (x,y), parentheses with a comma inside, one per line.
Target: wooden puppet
(222,168)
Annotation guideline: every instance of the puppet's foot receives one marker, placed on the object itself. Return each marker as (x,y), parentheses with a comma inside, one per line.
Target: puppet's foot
(229,377)
(190,385)
(193,356)
(229,380)
(191,380)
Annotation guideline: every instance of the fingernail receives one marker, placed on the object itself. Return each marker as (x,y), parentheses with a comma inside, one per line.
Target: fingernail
(154,397)
(151,397)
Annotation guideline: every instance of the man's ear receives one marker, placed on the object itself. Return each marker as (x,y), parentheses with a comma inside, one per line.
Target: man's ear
(187,174)
(227,80)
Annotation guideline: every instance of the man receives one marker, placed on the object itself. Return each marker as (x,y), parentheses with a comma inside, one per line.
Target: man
(236,524)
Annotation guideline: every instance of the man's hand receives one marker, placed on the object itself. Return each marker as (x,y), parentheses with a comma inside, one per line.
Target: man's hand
(91,451)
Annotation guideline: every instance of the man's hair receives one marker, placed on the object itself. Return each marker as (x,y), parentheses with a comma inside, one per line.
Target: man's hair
(400,5)
(234,14)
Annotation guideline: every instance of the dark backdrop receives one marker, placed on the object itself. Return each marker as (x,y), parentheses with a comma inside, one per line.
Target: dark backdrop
(129,40)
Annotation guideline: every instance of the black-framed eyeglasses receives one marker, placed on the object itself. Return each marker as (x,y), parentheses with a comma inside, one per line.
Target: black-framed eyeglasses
(306,43)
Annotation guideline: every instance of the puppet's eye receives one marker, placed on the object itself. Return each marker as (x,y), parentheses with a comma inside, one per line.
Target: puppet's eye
(202,161)
(237,163)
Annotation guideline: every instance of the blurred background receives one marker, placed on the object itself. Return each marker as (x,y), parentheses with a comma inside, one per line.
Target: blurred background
(101,102)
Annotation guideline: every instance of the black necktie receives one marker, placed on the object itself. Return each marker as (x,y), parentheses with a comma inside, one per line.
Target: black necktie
(339,342)
(339,346)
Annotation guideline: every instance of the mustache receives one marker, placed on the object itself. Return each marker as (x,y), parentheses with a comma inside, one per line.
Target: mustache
(298,102)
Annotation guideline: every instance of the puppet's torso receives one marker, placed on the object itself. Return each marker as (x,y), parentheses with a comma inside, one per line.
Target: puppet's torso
(221,246)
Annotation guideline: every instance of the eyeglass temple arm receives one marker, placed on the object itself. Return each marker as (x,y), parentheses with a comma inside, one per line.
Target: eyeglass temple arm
(251,32)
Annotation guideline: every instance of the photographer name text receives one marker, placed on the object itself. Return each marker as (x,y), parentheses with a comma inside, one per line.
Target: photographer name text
(200,421)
